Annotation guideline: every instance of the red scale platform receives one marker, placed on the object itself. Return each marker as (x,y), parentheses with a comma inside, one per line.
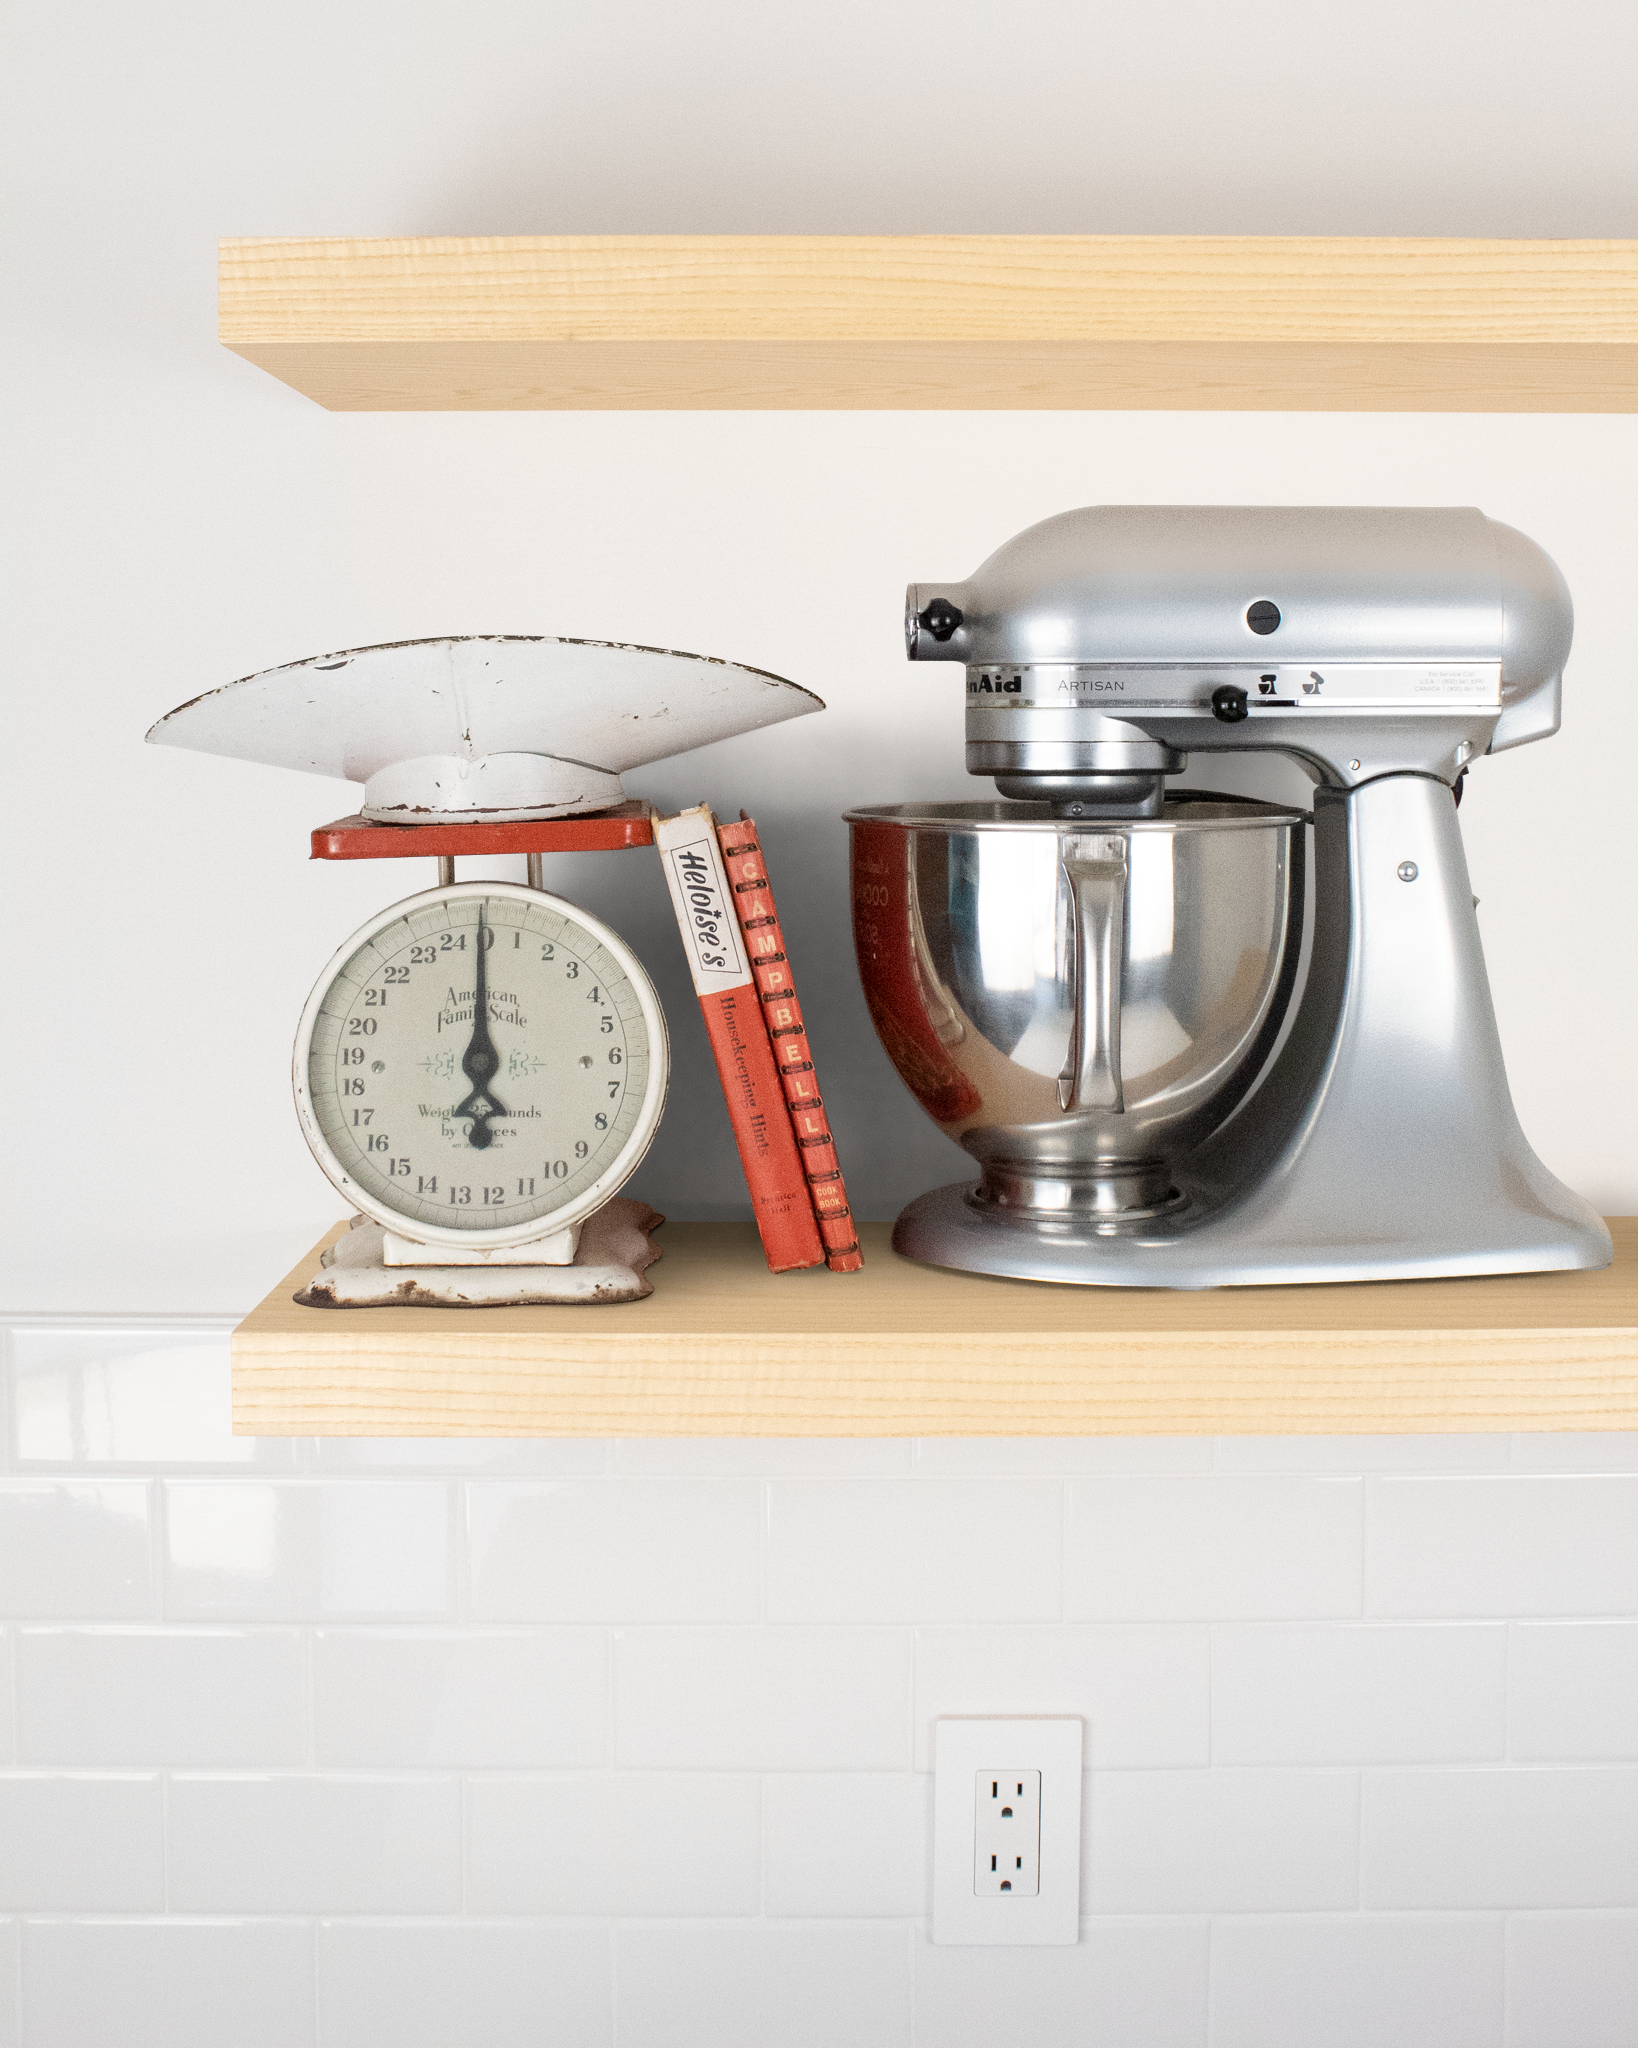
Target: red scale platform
(356,838)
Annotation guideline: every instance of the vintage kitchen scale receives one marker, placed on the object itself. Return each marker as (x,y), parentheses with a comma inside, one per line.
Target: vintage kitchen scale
(481,1067)
(1109,993)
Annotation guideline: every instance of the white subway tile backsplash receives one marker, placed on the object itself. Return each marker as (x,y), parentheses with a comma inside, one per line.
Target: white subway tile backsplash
(695,1703)
(11,1983)
(464,1984)
(161,1696)
(468,1698)
(847,1846)
(167,1984)
(1162,1549)
(74,1550)
(616,1549)
(1064,1454)
(1572,1980)
(762,1699)
(758,1986)
(249,1551)
(1358,1693)
(1528,1544)
(448,1456)
(1483,1839)
(914,1549)
(627,1844)
(139,1396)
(1426,1981)
(1222,1841)
(1144,1690)
(1425,1452)
(81,1843)
(1126,1984)
(385,1548)
(1603,1450)
(251,1844)
(760,1457)
(1572,1691)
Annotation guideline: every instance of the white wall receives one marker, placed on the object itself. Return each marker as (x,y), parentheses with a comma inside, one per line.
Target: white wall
(1362,1714)
(176,518)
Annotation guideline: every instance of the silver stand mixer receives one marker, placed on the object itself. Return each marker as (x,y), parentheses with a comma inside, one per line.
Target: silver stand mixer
(1115,998)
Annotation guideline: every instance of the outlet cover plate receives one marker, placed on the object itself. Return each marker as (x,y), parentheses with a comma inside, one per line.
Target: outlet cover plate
(964,1747)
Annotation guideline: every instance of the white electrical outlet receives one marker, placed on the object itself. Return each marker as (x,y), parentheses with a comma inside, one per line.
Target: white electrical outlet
(1006,1830)
(1007,1834)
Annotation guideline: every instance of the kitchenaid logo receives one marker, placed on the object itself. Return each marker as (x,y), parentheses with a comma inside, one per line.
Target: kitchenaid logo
(994,686)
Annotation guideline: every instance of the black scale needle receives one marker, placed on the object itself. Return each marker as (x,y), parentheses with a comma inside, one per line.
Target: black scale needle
(480,1060)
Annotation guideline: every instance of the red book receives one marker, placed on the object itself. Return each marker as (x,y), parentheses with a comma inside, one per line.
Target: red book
(765,943)
(723,981)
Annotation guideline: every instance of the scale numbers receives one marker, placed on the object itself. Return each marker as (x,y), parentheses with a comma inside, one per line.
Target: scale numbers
(481,1061)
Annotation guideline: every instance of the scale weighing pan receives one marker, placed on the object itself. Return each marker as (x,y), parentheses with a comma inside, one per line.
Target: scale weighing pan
(483,727)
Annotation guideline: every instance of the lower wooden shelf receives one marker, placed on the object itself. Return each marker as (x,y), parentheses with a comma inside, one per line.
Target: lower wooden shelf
(723,1348)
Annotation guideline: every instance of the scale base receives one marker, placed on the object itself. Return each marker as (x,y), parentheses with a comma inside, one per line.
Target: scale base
(610,1265)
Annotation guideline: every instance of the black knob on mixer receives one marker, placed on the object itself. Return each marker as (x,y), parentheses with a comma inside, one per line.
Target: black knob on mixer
(1228,703)
(941,618)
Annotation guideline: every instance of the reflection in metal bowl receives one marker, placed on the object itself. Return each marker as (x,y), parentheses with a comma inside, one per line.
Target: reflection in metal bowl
(1078,1002)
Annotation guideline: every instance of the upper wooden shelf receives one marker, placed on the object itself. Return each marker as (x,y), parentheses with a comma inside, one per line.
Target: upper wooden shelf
(723,1348)
(632,322)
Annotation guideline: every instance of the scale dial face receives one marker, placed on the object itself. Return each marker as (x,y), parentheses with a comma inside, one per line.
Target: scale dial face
(484,1064)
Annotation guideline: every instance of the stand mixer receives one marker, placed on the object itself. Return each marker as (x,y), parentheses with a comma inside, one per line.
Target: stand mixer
(1170,1072)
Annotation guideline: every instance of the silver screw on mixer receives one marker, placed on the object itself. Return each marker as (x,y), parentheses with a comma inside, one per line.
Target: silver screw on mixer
(1408,871)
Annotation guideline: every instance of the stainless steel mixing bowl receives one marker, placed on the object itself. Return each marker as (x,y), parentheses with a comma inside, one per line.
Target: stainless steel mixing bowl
(1079,1003)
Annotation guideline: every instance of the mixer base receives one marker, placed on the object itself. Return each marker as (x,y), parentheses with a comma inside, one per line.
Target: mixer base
(1196,1246)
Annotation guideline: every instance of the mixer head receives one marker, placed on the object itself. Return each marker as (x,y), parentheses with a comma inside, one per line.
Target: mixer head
(1105,644)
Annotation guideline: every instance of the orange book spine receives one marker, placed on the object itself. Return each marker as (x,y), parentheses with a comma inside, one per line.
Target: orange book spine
(728,998)
(793,1055)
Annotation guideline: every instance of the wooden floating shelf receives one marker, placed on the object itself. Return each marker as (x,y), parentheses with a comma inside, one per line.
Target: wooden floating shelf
(1130,322)
(723,1348)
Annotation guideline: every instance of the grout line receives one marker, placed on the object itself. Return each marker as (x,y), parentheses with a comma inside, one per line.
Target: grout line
(612,1936)
(762,1849)
(764,1555)
(159,1549)
(164,1777)
(459,1602)
(463,1794)
(8,1407)
(308,1654)
(611,1723)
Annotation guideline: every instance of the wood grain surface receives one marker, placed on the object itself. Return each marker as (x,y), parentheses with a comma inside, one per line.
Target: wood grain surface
(939,321)
(724,1348)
